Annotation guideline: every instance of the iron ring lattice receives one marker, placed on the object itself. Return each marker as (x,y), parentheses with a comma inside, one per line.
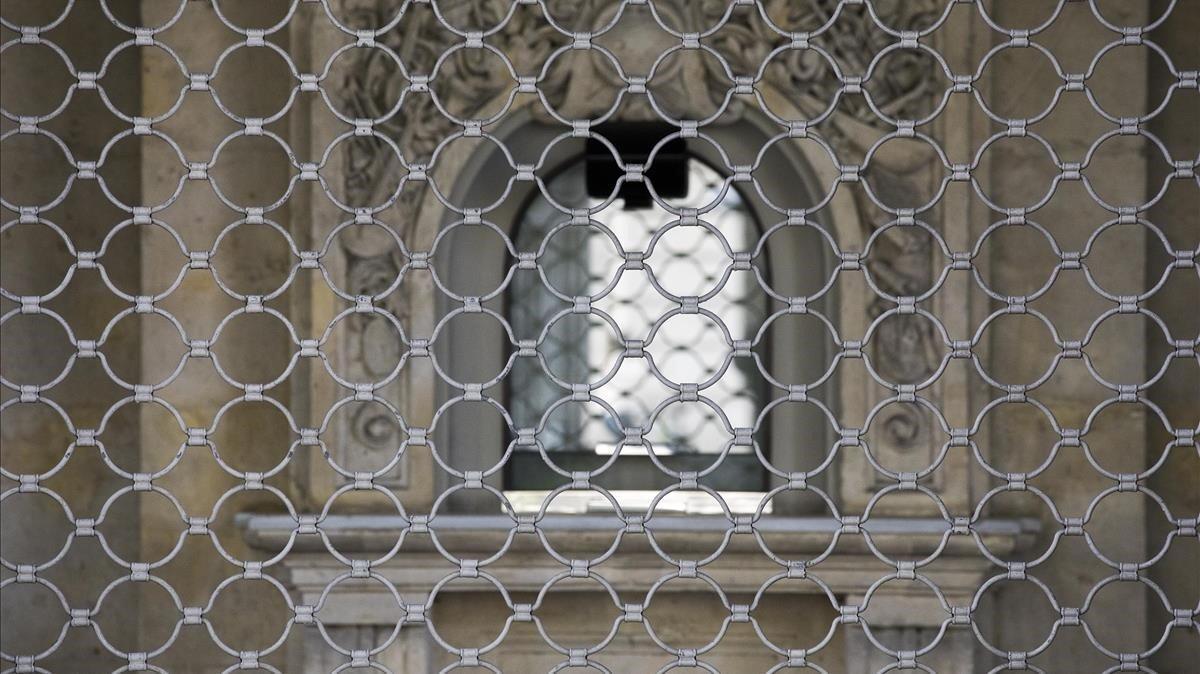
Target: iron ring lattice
(421,170)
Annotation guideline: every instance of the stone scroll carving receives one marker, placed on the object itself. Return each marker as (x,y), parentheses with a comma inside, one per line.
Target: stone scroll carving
(904,85)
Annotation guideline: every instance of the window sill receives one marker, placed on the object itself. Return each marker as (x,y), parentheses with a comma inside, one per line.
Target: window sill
(850,568)
(637,501)
(785,536)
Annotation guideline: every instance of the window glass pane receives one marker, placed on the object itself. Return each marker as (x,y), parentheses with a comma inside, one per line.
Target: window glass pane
(682,260)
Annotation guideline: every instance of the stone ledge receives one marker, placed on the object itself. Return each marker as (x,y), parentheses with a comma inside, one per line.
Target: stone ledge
(906,536)
(742,568)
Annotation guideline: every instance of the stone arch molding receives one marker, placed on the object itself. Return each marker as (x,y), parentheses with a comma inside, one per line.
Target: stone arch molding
(902,261)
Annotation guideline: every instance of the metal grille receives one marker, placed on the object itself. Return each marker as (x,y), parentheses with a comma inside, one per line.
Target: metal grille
(393,87)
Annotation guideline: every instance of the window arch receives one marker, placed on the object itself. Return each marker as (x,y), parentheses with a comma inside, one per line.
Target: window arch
(793,260)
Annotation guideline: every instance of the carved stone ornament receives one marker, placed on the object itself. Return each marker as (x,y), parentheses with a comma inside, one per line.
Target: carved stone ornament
(691,84)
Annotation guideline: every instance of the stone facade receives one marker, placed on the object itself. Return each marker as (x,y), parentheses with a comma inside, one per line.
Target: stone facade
(361,172)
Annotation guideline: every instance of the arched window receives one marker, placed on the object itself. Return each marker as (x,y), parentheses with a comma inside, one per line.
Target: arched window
(641,264)
(635,305)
